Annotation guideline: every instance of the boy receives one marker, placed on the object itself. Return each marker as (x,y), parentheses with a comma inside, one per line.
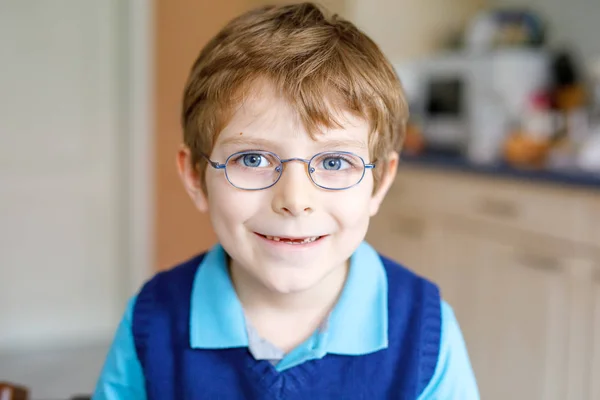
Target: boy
(292,126)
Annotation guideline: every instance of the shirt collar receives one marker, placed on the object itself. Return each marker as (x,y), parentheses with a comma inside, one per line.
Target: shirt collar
(359,322)
(357,325)
(216,314)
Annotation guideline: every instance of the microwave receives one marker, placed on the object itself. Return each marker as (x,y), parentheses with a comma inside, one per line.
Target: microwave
(451,95)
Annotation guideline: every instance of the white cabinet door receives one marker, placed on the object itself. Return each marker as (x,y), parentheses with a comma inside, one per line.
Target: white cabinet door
(460,276)
(594,374)
(60,235)
(513,306)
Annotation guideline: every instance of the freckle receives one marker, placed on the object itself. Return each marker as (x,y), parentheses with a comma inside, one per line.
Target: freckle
(241,133)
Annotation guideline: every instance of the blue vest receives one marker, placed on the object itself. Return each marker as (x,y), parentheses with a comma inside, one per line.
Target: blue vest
(175,371)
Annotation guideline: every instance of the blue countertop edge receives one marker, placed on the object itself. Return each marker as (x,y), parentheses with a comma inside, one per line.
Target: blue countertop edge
(572,178)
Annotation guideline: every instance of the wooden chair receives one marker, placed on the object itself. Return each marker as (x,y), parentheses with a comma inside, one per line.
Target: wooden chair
(10,391)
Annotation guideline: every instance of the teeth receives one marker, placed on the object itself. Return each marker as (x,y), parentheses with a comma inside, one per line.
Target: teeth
(303,241)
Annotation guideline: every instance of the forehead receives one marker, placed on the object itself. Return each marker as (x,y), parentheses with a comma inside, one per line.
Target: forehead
(264,116)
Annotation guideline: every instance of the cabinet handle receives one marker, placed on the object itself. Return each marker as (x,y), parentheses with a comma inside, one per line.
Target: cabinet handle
(538,262)
(410,227)
(498,208)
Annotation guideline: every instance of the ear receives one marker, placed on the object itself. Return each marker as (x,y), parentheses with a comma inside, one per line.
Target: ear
(390,166)
(191,179)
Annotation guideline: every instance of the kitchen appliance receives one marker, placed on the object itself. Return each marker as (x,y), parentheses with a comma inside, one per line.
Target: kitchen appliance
(452,95)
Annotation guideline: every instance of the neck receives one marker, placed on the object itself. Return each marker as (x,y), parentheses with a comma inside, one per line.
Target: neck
(253,294)
(287,319)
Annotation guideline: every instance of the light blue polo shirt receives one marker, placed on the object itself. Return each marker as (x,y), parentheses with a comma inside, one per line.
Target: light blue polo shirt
(217,321)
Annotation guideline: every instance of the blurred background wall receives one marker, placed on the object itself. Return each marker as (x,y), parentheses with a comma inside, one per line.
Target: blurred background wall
(572,24)
(411,28)
(62,171)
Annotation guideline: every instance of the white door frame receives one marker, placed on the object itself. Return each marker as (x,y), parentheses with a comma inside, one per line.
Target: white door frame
(139,127)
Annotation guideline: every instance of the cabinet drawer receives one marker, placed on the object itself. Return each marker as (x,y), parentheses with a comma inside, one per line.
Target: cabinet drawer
(536,209)
(531,207)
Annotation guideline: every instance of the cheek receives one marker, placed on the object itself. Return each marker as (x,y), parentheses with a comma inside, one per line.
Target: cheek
(351,210)
(229,206)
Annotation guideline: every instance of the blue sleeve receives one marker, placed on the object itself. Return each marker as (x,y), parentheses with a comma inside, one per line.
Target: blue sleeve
(121,377)
(453,378)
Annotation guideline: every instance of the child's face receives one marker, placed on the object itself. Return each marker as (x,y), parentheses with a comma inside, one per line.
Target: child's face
(294,207)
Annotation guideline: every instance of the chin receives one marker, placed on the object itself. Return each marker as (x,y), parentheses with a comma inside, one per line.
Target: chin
(286,282)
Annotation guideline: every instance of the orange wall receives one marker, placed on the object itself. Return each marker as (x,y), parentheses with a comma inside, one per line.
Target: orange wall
(182,27)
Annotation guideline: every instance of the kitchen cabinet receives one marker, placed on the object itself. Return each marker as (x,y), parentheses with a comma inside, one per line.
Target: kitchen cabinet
(457,270)
(512,302)
(519,264)
(594,370)
(404,236)
(525,326)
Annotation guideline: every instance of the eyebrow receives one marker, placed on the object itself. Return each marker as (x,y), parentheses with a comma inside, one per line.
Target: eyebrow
(343,144)
(260,143)
(256,142)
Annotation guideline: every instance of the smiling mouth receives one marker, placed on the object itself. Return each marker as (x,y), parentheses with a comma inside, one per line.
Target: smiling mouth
(292,241)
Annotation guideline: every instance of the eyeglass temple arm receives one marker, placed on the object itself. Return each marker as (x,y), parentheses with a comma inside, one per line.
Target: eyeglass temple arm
(370,166)
(213,164)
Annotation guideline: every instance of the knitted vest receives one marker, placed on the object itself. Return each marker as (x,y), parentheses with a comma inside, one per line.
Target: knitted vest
(175,371)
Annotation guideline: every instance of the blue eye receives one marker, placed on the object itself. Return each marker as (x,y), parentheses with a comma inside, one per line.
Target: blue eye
(334,163)
(253,160)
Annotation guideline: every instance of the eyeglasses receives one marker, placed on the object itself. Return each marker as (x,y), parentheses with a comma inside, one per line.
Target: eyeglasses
(257,170)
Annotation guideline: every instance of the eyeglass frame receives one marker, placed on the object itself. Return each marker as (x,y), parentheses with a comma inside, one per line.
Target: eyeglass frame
(217,165)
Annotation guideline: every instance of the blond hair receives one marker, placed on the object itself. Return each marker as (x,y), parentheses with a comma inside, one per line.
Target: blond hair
(318,63)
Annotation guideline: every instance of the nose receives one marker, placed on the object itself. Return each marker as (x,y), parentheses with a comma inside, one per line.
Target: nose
(294,191)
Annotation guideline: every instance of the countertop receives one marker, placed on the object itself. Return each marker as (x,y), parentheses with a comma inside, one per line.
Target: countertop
(457,163)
